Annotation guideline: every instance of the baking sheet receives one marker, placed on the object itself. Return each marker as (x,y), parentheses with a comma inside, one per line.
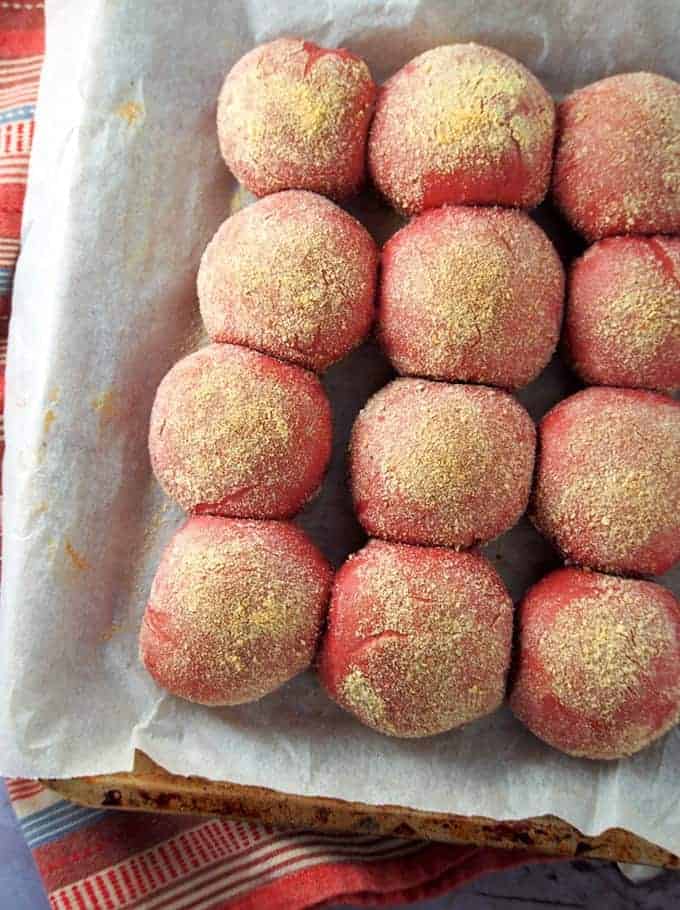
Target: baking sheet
(126,187)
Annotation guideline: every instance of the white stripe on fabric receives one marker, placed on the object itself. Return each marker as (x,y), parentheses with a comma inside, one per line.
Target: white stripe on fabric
(258,862)
(19,84)
(25,793)
(17,68)
(20,785)
(220,863)
(19,63)
(18,93)
(76,895)
(16,74)
(14,158)
(219,893)
(20,77)
(42,800)
(229,883)
(9,168)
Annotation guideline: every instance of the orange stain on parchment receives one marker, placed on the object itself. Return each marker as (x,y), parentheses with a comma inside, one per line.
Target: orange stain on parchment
(130,111)
(40,509)
(78,560)
(113,629)
(107,406)
(48,419)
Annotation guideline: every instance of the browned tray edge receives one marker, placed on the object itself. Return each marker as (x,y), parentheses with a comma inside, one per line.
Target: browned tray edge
(150,788)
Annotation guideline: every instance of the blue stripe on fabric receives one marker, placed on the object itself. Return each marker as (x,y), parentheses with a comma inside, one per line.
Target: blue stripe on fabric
(55,820)
(64,813)
(38,839)
(6,279)
(24,112)
(45,816)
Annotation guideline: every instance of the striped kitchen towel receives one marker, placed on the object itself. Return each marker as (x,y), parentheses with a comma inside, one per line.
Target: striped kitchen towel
(107,860)
(21,49)
(93,859)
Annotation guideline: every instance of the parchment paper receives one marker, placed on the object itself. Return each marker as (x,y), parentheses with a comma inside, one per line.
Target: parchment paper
(126,187)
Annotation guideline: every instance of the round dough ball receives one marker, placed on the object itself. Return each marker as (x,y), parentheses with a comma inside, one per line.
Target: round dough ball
(418,640)
(598,671)
(235,609)
(292,275)
(472,294)
(607,489)
(462,124)
(438,464)
(292,115)
(622,324)
(617,157)
(234,432)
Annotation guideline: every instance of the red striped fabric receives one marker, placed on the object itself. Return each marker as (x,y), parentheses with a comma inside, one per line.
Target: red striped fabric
(22,789)
(93,860)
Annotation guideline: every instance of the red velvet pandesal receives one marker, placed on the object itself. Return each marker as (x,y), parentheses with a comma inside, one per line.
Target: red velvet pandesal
(418,640)
(617,157)
(607,488)
(471,294)
(598,669)
(293,276)
(622,324)
(439,464)
(236,433)
(292,115)
(462,124)
(235,609)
